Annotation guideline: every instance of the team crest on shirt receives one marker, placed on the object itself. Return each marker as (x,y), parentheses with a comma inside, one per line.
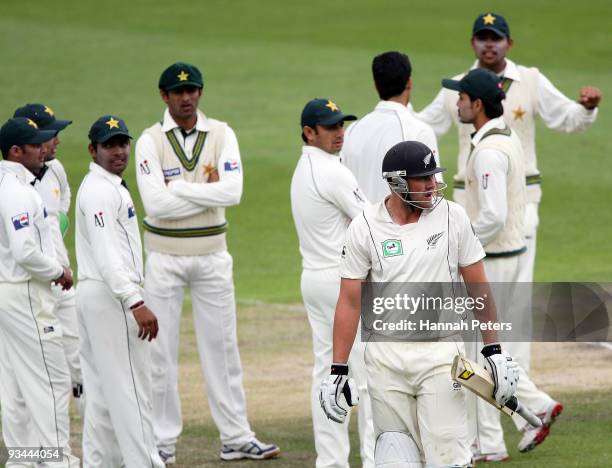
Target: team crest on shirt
(392,248)
(432,241)
(20,221)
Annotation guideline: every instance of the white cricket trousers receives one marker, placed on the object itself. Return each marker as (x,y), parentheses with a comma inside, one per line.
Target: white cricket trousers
(116,365)
(210,280)
(34,377)
(320,290)
(489,432)
(65,311)
(412,392)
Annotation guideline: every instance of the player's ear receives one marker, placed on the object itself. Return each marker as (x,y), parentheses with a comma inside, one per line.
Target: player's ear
(409,84)
(164,95)
(510,43)
(92,150)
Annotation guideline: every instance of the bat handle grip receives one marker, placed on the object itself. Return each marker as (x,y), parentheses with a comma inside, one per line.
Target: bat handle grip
(525,413)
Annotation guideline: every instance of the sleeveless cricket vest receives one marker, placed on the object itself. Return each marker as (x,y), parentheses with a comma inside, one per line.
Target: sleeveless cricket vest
(511,240)
(520,110)
(199,234)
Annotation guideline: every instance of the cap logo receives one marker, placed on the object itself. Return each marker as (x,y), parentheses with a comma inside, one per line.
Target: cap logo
(332,105)
(427,159)
(31,123)
(112,123)
(49,111)
(489,19)
(182,76)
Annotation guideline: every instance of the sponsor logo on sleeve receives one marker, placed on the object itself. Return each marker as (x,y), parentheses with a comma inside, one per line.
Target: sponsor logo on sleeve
(48,329)
(358,196)
(20,221)
(344,251)
(131,211)
(45,214)
(392,248)
(99,219)
(172,172)
(485,180)
(144,167)
(233,165)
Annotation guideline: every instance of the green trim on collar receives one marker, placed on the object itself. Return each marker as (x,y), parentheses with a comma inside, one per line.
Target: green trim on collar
(188,164)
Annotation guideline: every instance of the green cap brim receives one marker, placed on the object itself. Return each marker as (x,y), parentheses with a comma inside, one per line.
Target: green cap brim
(41,137)
(110,135)
(183,83)
(451,84)
(334,119)
(490,28)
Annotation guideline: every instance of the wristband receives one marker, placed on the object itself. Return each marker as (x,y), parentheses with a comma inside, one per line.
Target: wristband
(339,369)
(137,305)
(491,349)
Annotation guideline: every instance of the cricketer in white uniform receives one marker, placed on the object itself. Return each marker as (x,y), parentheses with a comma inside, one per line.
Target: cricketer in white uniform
(52,185)
(419,415)
(114,320)
(368,140)
(189,170)
(528,94)
(495,202)
(34,380)
(325,198)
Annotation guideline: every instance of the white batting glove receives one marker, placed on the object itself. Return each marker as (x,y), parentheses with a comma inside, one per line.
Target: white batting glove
(504,372)
(333,388)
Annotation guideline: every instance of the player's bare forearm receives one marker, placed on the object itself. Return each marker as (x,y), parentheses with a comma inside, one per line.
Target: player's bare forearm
(478,287)
(346,319)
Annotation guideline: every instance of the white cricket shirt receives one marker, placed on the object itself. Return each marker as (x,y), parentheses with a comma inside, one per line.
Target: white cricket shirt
(367,141)
(430,250)
(52,185)
(108,246)
(26,244)
(325,198)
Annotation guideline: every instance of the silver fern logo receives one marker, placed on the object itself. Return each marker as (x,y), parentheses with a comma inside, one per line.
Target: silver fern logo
(432,241)
(427,159)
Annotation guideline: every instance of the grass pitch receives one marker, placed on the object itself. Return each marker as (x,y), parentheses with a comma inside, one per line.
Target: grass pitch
(261,62)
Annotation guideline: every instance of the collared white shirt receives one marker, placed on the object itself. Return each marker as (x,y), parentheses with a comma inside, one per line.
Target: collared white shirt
(430,250)
(108,245)
(491,173)
(556,110)
(54,190)
(26,245)
(325,198)
(179,198)
(367,141)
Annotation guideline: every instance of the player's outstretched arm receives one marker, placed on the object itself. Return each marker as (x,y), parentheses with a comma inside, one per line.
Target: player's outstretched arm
(338,385)
(503,370)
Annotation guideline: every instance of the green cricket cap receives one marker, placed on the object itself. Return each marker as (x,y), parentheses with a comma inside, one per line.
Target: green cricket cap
(107,127)
(180,74)
(479,83)
(43,116)
(22,131)
(491,22)
(323,112)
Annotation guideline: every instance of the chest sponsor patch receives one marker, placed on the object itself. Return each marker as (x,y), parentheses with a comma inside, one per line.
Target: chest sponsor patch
(392,248)
(20,221)
(231,166)
(172,172)
(131,211)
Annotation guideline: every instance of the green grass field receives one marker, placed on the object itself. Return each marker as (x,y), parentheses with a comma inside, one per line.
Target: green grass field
(261,62)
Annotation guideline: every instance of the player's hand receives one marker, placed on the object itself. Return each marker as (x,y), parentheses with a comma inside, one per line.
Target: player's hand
(333,388)
(213,176)
(65,281)
(147,322)
(589,97)
(503,370)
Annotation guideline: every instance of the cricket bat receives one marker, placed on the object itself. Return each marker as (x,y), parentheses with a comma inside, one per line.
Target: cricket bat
(477,379)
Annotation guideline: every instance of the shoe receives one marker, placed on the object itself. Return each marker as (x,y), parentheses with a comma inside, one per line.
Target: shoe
(534,436)
(490,457)
(169,458)
(255,450)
